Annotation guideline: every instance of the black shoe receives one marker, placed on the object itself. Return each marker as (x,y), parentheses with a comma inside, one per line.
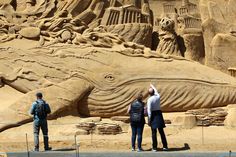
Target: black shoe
(36,150)
(48,149)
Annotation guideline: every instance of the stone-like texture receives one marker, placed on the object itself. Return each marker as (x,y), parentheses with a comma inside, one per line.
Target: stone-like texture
(185,121)
(82,132)
(138,33)
(87,126)
(100,128)
(223,54)
(230,120)
(194,44)
(213,18)
(125,119)
(108,129)
(218,19)
(91,119)
(30,32)
(208,117)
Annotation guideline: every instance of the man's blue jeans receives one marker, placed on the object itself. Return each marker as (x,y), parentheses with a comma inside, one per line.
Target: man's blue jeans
(40,124)
(137,129)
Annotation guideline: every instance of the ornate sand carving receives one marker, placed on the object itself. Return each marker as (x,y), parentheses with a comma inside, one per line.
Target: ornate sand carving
(168,39)
(219,20)
(130,19)
(232,71)
(187,27)
(58,22)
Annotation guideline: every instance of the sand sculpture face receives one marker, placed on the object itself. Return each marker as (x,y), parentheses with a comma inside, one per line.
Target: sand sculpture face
(94,72)
(168,38)
(167,24)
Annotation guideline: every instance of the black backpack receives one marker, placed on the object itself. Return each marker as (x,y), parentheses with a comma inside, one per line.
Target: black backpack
(40,109)
(136,112)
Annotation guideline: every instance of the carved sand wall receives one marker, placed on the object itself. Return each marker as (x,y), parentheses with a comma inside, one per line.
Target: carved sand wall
(91,57)
(206,26)
(187,19)
(219,33)
(60,21)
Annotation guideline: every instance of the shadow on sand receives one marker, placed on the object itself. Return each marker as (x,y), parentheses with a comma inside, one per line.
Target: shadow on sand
(185,147)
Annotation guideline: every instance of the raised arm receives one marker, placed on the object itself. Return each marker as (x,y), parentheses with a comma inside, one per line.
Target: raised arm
(155,90)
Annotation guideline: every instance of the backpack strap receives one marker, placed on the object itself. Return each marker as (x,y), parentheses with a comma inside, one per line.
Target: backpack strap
(38,102)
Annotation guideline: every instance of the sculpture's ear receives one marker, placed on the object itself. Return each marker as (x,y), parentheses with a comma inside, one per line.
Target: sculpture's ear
(60,97)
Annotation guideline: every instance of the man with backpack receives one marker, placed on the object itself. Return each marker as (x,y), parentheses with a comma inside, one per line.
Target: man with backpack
(137,121)
(40,109)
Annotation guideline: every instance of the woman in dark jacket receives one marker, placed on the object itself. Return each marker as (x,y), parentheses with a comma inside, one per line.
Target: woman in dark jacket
(137,121)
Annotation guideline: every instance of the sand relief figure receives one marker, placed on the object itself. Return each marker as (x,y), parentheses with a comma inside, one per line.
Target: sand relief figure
(96,71)
(168,38)
(56,22)
(35,22)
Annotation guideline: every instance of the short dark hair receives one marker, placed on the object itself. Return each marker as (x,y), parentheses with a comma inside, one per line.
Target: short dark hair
(39,95)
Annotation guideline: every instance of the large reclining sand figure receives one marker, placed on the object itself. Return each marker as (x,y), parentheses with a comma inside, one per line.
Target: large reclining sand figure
(97,81)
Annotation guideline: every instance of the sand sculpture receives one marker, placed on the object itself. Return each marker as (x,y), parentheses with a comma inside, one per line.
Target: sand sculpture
(209,24)
(90,57)
(168,39)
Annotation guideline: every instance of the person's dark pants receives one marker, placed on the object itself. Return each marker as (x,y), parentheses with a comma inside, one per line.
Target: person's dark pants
(137,129)
(154,138)
(44,127)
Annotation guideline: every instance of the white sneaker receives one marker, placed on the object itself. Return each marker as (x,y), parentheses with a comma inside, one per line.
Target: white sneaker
(165,149)
(132,149)
(154,150)
(140,150)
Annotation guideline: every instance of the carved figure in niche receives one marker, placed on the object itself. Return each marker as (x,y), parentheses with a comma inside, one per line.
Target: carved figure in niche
(168,39)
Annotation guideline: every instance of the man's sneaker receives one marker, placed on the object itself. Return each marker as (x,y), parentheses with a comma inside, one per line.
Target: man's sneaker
(140,150)
(48,149)
(133,149)
(165,149)
(154,150)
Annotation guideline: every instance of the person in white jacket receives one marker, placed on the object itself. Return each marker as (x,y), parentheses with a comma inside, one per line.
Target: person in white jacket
(155,118)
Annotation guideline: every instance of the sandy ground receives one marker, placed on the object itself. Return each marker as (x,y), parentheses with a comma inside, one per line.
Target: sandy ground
(62,137)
